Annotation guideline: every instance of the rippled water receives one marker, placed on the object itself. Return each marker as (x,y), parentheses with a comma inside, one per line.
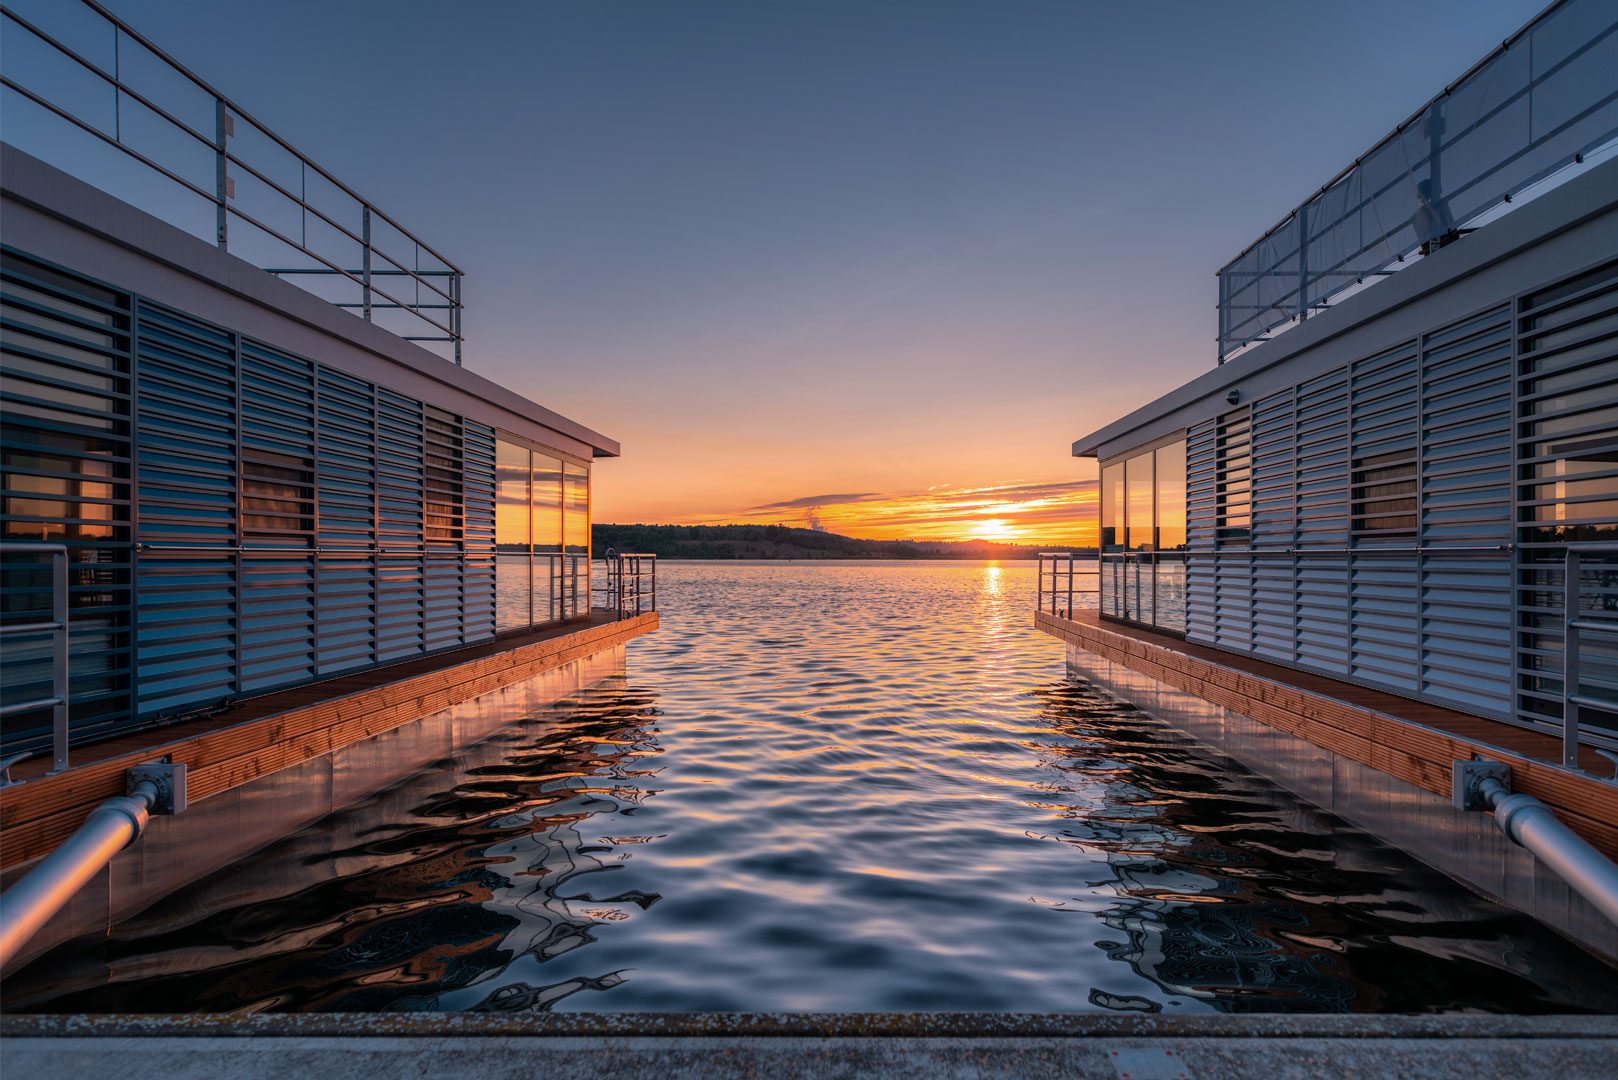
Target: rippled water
(832,787)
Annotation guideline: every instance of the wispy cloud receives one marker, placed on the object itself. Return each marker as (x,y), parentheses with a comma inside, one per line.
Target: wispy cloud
(810,502)
(1033,511)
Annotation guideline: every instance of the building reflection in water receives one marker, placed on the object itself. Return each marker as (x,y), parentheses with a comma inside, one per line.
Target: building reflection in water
(1212,902)
(416,899)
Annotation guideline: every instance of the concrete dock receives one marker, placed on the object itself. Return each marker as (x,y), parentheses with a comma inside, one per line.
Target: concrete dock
(721,1046)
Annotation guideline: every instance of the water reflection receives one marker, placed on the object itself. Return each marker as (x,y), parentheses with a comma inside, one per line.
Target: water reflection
(834,788)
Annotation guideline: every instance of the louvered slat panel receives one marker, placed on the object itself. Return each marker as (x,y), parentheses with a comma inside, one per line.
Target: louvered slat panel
(1466,502)
(1201,509)
(1322,521)
(187,627)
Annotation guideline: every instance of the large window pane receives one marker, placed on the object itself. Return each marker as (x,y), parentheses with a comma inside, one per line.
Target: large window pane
(512,569)
(1142,537)
(1112,538)
(1170,492)
(577,522)
(547,538)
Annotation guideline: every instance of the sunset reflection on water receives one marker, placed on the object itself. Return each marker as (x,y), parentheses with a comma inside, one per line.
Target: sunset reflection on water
(832,787)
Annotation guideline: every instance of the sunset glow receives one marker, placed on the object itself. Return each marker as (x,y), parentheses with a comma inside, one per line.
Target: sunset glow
(1055,513)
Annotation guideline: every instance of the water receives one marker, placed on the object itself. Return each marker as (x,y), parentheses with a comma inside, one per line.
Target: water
(831,787)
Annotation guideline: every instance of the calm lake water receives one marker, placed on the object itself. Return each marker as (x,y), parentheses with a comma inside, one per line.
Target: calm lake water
(832,787)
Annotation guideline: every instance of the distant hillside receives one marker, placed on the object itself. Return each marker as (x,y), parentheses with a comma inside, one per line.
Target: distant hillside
(784,542)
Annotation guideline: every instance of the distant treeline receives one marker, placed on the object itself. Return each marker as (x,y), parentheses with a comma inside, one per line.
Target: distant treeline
(785,542)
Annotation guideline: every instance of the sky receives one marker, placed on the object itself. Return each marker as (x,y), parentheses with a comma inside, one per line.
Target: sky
(869,267)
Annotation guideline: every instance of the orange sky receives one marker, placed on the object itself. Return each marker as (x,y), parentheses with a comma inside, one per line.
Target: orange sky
(1056,513)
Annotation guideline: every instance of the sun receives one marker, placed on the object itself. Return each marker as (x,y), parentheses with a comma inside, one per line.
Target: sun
(994,529)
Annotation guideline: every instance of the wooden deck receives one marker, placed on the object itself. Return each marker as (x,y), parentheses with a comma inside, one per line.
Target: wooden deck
(1411,740)
(262,735)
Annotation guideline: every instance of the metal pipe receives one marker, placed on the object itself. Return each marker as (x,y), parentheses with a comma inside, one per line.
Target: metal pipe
(46,889)
(1533,825)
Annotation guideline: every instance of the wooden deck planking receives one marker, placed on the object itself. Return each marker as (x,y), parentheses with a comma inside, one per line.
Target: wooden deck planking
(1414,741)
(266,734)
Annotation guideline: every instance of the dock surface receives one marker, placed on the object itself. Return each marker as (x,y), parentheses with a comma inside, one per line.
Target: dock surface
(680,1046)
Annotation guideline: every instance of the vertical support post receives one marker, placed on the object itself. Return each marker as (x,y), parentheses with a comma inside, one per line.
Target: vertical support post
(365,255)
(1070,585)
(1570,660)
(221,178)
(60,672)
(1303,262)
(455,314)
(654,582)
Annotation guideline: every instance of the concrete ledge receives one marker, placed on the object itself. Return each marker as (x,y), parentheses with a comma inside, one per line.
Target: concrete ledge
(605,1047)
(798,1025)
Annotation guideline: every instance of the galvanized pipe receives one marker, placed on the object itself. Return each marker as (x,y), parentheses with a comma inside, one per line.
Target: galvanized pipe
(1533,825)
(46,889)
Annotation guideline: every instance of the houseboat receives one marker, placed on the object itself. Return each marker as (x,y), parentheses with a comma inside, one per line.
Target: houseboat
(268,545)
(1371,552)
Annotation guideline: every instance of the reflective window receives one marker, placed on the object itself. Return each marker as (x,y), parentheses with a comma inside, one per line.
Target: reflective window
(542,537)
(1143,537)
(511,536)
(1169,488)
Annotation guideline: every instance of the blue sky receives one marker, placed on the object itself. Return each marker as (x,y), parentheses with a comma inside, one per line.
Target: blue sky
(874,248)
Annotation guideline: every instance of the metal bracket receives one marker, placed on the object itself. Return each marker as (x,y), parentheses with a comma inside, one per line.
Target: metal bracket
(170,781)
(1466,776)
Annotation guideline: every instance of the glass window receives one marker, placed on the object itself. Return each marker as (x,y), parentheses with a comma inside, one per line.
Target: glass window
(577,522)
(1112,538)
(1143,537)
(512,563)
(548,561)
(1169,585)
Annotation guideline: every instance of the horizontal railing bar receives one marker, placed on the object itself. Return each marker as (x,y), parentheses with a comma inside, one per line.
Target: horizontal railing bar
(1497,549)
(1596,626)
(9,83)
(31,628)
(9,547)
(1604,704)
(26,706)
(374,272)
(247,117)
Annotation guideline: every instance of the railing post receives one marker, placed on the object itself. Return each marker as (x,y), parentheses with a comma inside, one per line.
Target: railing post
(221,175)
(60,671)
(455,313)
(1069,585)
(1570,660)
(365,266)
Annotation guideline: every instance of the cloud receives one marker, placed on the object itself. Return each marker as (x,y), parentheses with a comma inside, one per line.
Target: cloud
(810,502)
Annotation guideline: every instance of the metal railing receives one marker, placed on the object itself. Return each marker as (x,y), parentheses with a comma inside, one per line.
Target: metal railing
(157,787)
(1574,628)
(630,584)
(1058,598)
(349,248)
(58,629)
(1536,105)
(1486,785)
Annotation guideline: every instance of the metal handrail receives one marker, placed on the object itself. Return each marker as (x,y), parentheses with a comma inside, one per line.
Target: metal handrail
(1061,567)
(157,787)
(631,583)
(1427,549)
(58,627)
(223,193)
(1573,630)
(1486,785)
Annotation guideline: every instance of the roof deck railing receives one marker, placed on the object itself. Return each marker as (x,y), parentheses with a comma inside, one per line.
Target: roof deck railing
(302,223)
(1543,101)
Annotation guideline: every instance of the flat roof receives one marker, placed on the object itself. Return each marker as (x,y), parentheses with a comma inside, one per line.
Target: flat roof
(41,187)
(1260,369)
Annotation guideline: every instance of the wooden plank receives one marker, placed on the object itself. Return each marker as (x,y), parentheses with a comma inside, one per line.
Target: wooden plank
(39,813)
